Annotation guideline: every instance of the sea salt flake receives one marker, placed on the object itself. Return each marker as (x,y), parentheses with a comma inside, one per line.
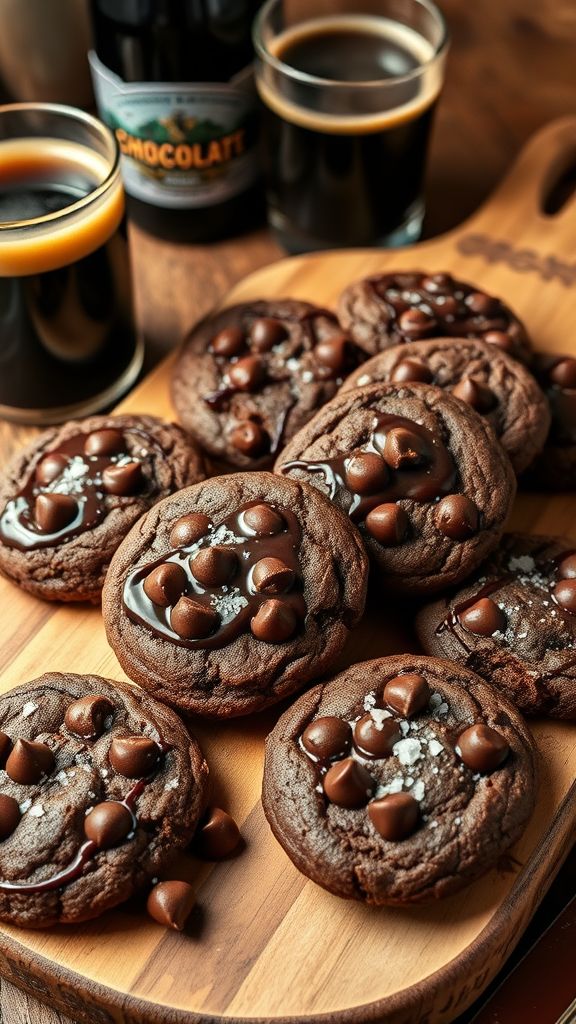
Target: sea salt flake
(25,806)
(433,824)
(418,790)
(404,728)
(394,786)
(524,563)
(37,811)
(435,770)
(443,709)
(369,701)
(435,747)
(29,708)
(408,750)
(230,605)
(378,716)
(173,784)
(435,700)
(364,379)
(63,778)
(409,782)
(292,364)
(457,821)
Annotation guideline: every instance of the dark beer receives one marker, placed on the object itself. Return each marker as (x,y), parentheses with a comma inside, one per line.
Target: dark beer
(67,343)
(345,159)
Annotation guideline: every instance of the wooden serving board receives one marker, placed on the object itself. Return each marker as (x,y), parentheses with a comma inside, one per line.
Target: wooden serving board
(266,944)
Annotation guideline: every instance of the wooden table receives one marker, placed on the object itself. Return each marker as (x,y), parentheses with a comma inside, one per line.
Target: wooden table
(511,69)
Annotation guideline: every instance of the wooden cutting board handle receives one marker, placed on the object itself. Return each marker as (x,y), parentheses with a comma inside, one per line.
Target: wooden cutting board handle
(515,210)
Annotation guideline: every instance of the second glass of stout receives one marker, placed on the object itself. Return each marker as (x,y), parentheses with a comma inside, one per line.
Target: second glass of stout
(67,343)
(349,91)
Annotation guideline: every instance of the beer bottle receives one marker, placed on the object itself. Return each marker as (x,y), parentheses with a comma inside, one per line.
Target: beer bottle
(173,79)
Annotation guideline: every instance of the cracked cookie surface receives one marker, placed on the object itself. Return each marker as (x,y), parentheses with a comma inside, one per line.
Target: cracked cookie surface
(488,379)
(417,470)
(103,784)
(390,309)
(230,595)
(250,377)
(69,498)
(514,623)
(411,819)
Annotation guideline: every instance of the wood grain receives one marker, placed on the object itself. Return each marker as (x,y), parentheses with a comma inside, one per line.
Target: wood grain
(266,942)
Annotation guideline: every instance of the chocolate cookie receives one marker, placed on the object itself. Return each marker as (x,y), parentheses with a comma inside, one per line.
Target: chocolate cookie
(514,623)
(555,469)
(250,377)
(70,497)
(399,781)
(418,471)
(488,379)
(390,309)
(233,594)
(101,785)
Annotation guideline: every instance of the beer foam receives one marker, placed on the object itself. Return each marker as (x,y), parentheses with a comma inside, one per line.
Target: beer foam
(428,75)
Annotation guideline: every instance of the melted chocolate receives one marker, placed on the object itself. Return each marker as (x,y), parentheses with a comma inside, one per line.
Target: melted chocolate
(436,475)
(236,602)
(86,852)
(452,619)
(80,479)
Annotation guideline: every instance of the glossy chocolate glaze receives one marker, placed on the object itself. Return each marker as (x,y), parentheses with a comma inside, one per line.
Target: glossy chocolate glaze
(81,479)
(236,602)
(424,482)
(88,849)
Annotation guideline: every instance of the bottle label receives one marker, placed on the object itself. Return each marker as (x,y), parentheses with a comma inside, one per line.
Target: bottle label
(183,145)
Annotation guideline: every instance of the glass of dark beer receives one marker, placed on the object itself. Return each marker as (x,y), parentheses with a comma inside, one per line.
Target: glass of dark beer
(67,343)
(349,91)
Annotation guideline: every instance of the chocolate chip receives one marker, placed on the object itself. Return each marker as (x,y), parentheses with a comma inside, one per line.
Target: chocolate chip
(475,394)
(250,438)
(134,756)
(123,480)
(484,617)
(263,521)
(228,342)
(481,304)
(214,566)
(482,749)
(266,332)
(171,903)
(348,784)
(108,824)
(446,306)
(410,370)
(567,567)
(53,512)
(192,620)
(5,748)
(407,694)
(404,449)
(376,739)
(9,816)
(28,761)
(189,529)
(332,352)
(327,737)
(165,584)
(50,468)
(415,323)
(564,374)
(394,816)
(247,374)
(272,576)
(456,516)
(105,442)
(366,473)
(500,339)
(86,717)
(218,835)
(274,622)
(564,593)
(388,524)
